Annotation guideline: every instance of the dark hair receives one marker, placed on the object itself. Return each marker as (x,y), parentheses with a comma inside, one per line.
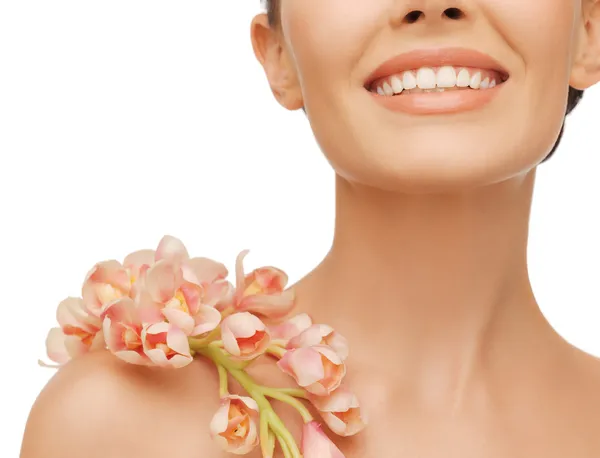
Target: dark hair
(573,98)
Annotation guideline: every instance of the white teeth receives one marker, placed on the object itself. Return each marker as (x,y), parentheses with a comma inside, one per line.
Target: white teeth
(446,77)
(463,78)
(408,80)
(475,81)
(387,89)
(426,78)
(396,85)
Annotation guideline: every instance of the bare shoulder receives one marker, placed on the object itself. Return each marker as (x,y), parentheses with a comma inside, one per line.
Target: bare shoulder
(579,394)
(98,406)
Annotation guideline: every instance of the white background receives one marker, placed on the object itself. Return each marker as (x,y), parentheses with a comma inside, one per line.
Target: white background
(123,120)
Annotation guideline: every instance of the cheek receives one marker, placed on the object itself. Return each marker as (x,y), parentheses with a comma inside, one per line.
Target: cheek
(541,32)
(328,38)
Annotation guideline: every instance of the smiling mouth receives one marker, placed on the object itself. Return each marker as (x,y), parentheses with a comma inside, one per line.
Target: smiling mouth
(436,79)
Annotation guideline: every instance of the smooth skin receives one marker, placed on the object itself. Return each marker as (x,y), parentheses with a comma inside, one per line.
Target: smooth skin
(427,276)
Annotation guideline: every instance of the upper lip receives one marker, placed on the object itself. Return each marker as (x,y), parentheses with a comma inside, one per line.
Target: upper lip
(436,57)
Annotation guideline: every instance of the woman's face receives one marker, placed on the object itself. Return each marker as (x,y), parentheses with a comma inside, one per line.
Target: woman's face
(434,141)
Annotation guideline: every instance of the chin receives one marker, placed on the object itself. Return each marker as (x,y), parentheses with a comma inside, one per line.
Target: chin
(440,162)
(437,154)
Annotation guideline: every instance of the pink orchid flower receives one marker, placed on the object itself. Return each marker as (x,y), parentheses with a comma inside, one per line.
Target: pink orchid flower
(291,328)
(166,345)
(317,369)
(106,282)
(262,291)
(205,272)
(234,425)
(79,332)
(123,323)
(244,336)
(136,265)
(315,444)
(110,280)
(341,411)
(321,334)
(176,290)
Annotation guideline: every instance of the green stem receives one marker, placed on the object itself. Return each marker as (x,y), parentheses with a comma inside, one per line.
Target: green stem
(219,357)
(223,390)
(295,392)
(290,400)
(284,435)
(271,441)
(284,448)
(265,439)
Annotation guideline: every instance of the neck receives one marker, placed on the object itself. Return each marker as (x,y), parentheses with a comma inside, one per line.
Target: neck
(438,279)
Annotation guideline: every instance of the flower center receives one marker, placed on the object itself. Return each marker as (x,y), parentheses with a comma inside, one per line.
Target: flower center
(107,293)
(178,302)
(83,335)
(131,339)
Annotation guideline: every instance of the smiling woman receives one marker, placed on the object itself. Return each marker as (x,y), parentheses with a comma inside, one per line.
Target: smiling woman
(273,8)
(434,115)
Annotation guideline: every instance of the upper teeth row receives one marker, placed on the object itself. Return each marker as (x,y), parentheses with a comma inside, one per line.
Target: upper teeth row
(428,78)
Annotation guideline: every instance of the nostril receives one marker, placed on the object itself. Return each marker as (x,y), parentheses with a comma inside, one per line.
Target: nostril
(413,16)
(454,13)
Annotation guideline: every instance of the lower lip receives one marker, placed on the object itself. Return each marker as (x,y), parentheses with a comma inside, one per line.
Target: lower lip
(426,103)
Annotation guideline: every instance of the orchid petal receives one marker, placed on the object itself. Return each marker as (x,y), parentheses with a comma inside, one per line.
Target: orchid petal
(239,271)
(177,340)
(207,270)
(55,346)
(292,327)
(135,262)
(220,420)
(75,347)
(158,328)
(98,342)
(304,364)
(180,319)
(172,249)
(162,280)
(219,294)
(229,341)
(69,311)
(105,282)
(315,444)
(192,294)
(207,319)
(157,356)
(244,325)
(272,306)
(179,361)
